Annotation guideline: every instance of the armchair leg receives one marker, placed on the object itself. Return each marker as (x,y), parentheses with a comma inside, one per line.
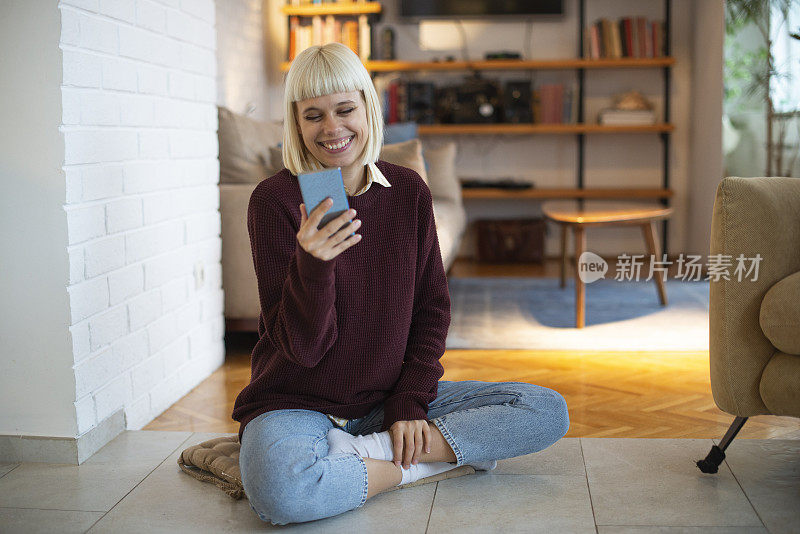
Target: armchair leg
(710,464)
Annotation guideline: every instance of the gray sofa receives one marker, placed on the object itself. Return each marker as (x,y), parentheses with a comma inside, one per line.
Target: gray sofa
(246,159)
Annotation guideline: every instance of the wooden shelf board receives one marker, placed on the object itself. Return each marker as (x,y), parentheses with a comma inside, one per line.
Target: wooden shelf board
(524,129)
(552,193)
(519,64)
(310,10)
(514,64)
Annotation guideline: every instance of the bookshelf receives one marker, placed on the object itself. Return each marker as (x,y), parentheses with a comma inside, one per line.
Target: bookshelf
(344,22)
(580,128)
(513,64)
(527,129)
(310,10)
(543,193)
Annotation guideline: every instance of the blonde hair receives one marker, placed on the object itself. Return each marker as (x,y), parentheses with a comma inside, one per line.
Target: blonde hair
(319,71)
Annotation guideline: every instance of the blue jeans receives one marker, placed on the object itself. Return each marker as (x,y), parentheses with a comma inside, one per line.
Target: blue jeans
(289,477)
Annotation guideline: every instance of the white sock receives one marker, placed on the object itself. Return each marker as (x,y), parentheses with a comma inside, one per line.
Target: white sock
(424,469)
(377,445)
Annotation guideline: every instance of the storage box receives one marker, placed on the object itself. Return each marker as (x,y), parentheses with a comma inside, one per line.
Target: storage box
(511,240)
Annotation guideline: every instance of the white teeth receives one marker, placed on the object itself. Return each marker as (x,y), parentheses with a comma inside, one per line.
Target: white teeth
(338,145)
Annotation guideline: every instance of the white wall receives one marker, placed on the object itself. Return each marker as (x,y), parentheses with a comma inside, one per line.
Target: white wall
(140,157)
(242,84)
(706,168)
(37,384)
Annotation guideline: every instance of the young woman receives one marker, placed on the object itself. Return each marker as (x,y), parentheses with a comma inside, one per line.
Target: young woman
(344,399)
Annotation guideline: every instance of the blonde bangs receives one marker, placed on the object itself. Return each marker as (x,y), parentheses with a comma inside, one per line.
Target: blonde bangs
(323,70)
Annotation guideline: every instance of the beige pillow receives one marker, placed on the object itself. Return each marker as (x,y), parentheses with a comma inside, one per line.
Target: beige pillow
(244,143)
(442,177)
(406,154)
(780,314)
(276,157)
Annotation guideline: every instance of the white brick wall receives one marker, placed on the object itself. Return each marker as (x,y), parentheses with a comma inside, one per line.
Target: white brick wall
(139,123)
(242,81)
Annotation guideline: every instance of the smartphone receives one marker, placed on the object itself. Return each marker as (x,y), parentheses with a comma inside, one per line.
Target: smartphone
(317,186)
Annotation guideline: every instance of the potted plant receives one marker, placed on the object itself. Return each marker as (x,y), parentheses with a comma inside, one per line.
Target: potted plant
(754,73)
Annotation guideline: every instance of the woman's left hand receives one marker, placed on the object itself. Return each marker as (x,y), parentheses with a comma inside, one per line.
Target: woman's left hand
(408,440)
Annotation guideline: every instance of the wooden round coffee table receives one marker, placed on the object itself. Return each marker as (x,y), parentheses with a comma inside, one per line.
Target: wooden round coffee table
(578,215)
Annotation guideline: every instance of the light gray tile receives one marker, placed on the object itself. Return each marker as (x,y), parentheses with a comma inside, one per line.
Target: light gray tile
(32,521)
(681,530)
(88,488)
(403,512)
(562,458)
(769,472)
(655,482)
(139,446)
(487,502)
(5,468)
(169,501)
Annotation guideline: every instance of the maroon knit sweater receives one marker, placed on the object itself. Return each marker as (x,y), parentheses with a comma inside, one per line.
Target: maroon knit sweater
(368,326)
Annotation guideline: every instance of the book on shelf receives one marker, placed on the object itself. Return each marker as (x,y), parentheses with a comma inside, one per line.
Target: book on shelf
(555,104)
(317,30)
(299,3)
(628,37)
(626,117)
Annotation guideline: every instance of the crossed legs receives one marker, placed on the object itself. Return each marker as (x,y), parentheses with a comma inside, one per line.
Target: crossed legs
(383,474)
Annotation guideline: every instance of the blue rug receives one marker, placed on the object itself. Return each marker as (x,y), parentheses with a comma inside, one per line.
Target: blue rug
(534,313)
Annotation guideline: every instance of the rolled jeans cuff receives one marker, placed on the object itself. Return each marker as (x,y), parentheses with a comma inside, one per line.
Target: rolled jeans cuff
(439,422)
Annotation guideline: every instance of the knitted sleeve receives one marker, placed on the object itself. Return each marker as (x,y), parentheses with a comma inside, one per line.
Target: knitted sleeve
(417,385)
(296,289)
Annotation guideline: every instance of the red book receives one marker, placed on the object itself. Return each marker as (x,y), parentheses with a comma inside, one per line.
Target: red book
(547,103)
(628,37)
(658,48)
(558,105)
(595,33)
(641,28)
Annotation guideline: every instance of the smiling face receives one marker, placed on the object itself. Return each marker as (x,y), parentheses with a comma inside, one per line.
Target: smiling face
(334,128)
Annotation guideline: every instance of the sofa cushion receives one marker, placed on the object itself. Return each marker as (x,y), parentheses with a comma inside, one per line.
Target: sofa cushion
(780,385)
(399,132)
(244,148)
(238,274)
(276,157)
(442,172)
(406,154)
(451,221)
(779,316)
(216,461)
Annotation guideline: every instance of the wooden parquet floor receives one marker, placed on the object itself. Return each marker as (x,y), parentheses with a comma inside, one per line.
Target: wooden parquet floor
(609,394)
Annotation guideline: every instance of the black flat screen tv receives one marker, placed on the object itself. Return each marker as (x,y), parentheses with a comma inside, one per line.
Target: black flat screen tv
(479,8)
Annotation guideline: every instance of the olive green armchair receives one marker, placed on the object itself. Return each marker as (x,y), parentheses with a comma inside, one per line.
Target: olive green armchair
(755,322)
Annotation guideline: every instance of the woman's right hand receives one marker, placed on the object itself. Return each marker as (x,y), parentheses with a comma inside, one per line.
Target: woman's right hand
(329,241)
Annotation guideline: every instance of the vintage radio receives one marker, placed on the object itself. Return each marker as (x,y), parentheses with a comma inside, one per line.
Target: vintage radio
(517,104)
(475,101)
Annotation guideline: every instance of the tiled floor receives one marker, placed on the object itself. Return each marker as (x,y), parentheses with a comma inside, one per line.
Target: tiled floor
(608,486)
